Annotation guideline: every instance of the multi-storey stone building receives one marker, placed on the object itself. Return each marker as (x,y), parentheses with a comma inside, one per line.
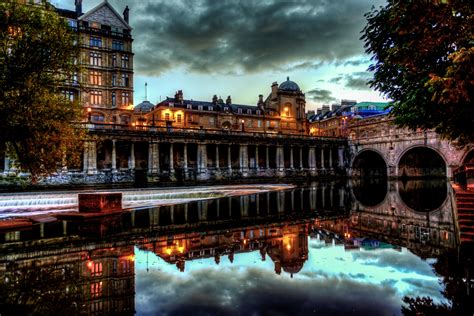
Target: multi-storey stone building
(105,85)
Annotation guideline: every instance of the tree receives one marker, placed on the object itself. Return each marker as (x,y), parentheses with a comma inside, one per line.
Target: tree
(424,61)
(37,58)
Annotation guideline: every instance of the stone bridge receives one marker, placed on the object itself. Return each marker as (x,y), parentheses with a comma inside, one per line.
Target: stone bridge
(377,147)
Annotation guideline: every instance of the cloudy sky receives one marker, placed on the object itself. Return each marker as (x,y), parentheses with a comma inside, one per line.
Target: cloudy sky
(332,282)
(239,47)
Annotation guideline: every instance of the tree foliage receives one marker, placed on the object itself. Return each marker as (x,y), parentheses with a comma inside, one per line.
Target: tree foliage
(424,60)
(37,58)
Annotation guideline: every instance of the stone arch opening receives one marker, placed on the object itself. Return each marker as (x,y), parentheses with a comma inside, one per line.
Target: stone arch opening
(469,159)
(422,195)
(421,162)
(369,164)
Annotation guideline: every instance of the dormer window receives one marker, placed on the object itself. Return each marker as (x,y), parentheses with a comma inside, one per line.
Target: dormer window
(171,105)
(226,109)
(200,107)
(210,108)
(249,111)
(239,111)
(190,106)
(259,112)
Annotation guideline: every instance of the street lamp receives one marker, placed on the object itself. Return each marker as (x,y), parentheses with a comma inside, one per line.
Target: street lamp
(243,126)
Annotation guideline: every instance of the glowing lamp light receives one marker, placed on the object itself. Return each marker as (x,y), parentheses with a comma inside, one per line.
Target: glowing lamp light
(288,247)
(89,264)
(286,109)
(133,124)
(168,251)
(242,121)
(245,241)
(181,249)
(131,258)
(89,110)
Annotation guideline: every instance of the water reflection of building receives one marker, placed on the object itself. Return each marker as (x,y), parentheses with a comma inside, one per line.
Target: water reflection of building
(90,279)
(285,244)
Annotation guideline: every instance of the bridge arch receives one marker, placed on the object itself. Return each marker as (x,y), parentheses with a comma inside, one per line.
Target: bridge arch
(422,161)
(369,163)
(468,157)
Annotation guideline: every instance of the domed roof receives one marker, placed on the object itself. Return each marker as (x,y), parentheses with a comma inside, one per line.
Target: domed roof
(144,107)
(289,85)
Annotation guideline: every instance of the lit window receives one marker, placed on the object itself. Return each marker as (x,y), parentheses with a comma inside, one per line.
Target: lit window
(95,78)
(96,97)
(95,59)
(96,289)
(179,118)
(167,116)
(97,266)
(125,98)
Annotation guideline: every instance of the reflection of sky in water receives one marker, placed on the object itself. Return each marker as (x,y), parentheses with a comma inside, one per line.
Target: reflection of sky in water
(332,282)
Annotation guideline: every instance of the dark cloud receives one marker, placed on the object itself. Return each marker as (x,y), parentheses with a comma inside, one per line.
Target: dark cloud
(320,95)
(355,80)
(208,36)
(232,291)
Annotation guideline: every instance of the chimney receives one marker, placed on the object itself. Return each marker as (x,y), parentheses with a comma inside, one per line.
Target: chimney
(228,101)
(125,14)
(274,89)
(319,111)
(78,4)
(179,96)
(214,99)
(260,103)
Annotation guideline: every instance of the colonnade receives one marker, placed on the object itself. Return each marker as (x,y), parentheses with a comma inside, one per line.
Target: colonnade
(206,160)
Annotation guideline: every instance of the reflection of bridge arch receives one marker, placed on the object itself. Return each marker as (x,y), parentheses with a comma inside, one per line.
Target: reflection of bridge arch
(422,161)
(421,196)
(369,194)
(369,163)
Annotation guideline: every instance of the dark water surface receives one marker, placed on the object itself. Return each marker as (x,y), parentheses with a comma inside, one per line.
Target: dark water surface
(352,248)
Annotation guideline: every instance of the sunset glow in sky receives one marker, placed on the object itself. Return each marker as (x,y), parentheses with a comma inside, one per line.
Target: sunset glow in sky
(238,48)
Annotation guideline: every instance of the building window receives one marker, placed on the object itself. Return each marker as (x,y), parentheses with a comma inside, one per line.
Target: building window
(189,106)
(226,109)
(114,80)
(125,98)
(210,108)
(125,80)
(96,289)
(98,118)
(95,41)
(124,61)
(212,121)
(125,119)
(259,112)
(95,59)
(69,95)
(95,78)
(167,116)
(179,118)
(200,107)
(117,45)
(114,99)
(190,118)
(96,97)
(239,111)
(249,111)
(259,123)
(114,60)
(268,123)
(96,269)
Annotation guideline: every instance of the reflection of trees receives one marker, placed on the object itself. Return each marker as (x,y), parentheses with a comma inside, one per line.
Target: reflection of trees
(455,269)
(48,290)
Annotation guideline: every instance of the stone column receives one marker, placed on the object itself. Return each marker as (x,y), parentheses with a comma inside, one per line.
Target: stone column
(114,156)
(229,158)
(244,158)
(301,158)
(340,153)
(6,163)
(185,158)
(291,157)
(256,158)
(171,158)
(85,161)
(131,161)
(322,157)
(312,158)
(217,156)
(150,157)
(330,157)
(91,164)
(202,158)
(267,158)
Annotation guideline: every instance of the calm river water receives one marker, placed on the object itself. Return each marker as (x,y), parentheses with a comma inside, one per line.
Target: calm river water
(333,248)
